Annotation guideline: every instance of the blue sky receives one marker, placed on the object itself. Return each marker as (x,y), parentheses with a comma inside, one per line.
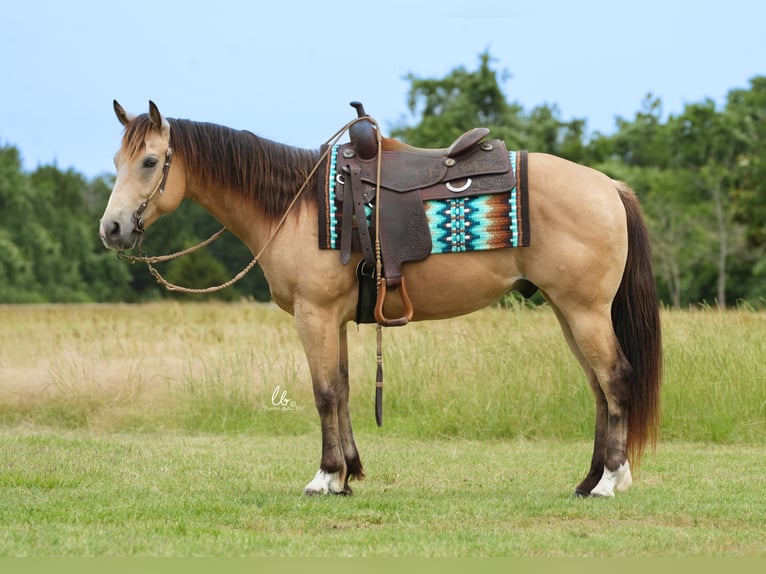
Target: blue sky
(287,70)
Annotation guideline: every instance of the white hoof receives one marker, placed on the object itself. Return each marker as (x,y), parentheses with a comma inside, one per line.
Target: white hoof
(620,479)
(324,483)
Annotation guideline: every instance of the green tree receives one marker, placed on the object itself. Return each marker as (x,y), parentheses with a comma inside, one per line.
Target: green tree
(703,140)
(747,111)
(642,141)
(58,234)
(16,210)
(445,108)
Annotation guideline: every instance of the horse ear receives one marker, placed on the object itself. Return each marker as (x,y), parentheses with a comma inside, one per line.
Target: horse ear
(158,120)
(124,117)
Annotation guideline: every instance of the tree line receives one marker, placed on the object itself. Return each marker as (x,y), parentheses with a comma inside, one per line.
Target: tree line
(700,176)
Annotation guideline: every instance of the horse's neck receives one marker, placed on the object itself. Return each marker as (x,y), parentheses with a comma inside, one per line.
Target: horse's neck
(248,221)
(235,213)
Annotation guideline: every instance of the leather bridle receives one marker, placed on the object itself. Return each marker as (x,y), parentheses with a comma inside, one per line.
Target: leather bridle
(138,221)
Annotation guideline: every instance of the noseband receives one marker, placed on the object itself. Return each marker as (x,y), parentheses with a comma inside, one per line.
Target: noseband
(138,221)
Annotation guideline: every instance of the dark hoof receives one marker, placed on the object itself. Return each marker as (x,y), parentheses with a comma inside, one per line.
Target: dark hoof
(312,493)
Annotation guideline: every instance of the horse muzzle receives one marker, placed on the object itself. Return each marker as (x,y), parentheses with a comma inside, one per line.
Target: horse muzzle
(118,236)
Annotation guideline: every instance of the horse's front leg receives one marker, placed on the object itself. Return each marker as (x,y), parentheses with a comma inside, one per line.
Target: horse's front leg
(348,443)
(324,346)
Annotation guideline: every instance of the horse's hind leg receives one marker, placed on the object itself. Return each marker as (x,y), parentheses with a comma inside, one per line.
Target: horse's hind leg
(599,442)
(608,372)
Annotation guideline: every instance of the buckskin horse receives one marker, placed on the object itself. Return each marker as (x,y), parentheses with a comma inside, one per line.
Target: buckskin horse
(589,257)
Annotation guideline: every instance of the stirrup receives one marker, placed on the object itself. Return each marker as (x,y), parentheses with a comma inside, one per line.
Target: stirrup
(408,310)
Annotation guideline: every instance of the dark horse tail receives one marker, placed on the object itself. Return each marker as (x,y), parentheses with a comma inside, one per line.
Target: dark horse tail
(636,321)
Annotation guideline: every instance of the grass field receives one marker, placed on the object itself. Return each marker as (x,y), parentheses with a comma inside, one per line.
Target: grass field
(174,495)
(150,430)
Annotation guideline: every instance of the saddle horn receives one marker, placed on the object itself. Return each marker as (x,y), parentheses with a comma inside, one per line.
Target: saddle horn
(362,134)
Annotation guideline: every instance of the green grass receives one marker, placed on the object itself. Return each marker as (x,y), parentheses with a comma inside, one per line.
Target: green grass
(174,495)
(149,431)
(715,383)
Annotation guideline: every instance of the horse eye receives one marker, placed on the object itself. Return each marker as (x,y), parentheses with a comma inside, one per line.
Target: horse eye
(150,162)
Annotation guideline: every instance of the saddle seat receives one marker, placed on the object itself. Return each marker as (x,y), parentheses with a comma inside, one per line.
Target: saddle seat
(461,144)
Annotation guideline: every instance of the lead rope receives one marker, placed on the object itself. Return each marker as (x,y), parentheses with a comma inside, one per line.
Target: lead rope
(150,260)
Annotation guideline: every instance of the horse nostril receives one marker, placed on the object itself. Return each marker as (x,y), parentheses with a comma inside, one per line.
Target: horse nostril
(113,229)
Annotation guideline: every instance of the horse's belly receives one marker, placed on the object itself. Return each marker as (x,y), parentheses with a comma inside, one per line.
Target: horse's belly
(449,285)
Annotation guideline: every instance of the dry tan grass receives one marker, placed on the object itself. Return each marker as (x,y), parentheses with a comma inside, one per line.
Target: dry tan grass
(118,361)
(496,373)
(140,357)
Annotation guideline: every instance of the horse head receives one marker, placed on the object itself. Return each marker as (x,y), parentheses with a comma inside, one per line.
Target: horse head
(147,185)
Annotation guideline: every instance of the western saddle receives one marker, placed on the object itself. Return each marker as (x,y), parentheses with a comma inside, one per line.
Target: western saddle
(406,177)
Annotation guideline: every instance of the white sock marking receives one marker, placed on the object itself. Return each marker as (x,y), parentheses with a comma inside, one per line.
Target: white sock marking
(324,483)
(620,478)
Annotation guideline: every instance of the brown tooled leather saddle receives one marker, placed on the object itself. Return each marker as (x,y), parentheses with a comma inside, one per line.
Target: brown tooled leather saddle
(407,176)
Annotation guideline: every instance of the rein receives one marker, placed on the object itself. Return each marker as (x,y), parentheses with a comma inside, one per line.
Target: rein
(160,188)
